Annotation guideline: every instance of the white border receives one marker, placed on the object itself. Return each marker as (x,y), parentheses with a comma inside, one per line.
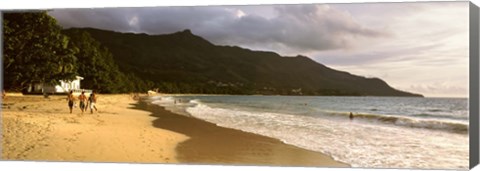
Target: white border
(8,5)
(49,4)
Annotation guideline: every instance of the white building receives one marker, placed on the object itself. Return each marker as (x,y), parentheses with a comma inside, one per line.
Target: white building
(66,86)
(63,87)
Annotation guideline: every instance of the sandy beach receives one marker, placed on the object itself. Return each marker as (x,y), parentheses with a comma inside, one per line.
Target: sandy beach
(125,130)
(35,128)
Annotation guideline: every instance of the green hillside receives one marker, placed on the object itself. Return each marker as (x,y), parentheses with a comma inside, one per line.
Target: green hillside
(185,63)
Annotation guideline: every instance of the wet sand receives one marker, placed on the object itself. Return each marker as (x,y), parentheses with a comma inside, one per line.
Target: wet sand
(211,144)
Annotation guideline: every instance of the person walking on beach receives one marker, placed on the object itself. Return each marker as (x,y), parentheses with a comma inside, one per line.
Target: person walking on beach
(83,100)
(92,100)
(351,116)
(70,99)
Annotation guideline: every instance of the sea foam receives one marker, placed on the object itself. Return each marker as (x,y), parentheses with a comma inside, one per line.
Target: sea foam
(369,140)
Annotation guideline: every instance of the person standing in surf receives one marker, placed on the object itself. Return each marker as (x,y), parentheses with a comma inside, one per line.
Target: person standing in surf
(351,116)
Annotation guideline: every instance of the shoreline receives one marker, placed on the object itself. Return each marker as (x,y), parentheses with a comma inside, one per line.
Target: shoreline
(212,144)
(368,140)
(195,94)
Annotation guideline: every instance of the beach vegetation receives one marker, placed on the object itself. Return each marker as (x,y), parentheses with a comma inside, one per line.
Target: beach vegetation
(35,50)
(96,65)
(38,50)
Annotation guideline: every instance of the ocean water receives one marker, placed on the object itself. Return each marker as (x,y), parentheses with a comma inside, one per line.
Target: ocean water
(386,132)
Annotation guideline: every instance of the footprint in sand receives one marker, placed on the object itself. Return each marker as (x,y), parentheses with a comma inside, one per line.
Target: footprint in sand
(69,139)
(100,122)
(71,120)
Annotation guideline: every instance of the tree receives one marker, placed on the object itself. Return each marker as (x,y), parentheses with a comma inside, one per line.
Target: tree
(35,50)
(97,66)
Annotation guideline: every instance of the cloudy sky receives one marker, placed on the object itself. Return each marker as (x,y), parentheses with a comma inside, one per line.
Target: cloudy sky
(417,47)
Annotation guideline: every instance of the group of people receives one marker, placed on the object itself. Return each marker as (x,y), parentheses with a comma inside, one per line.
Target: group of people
(85,102)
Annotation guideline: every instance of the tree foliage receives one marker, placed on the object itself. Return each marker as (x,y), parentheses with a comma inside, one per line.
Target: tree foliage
(96,65)
(35,50)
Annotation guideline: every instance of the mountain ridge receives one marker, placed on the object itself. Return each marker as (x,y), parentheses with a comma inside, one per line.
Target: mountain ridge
(182,62)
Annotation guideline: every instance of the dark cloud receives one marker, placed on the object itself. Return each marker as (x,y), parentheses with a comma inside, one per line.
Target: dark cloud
(102,18)
(294,28)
